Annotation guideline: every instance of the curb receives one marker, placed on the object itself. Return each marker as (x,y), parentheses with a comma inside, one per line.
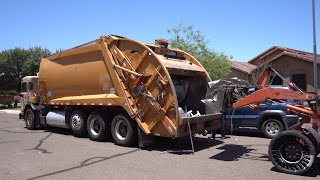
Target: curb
(9,111)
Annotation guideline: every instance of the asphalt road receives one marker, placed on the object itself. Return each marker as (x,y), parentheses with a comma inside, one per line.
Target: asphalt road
(56,154)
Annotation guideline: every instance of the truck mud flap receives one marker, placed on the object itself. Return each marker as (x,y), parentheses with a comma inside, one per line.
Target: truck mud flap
(145,140)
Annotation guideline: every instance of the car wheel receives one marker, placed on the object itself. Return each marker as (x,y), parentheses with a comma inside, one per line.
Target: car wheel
(98,129)
(124,130)
(78,123)
(292,152)
(271,128)
(30,119)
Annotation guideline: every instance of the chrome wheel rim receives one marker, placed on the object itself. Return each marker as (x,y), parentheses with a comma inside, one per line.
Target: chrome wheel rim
(121,129)
(95,126)
(76,122)
(272,128)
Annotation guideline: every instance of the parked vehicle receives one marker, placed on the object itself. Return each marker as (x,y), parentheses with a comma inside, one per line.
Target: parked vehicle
(120,88)
(9,100)
(270,118)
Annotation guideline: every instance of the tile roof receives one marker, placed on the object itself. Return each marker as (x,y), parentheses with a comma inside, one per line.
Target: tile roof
(243,66)
(300,54)
(307,56)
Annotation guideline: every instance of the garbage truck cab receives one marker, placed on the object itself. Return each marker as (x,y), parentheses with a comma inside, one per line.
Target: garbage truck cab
(29,94)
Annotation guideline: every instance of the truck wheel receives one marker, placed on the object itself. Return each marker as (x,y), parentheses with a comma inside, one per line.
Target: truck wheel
(97,127)
(292,152)
(271,128)
(78,123)
(124,130)
(30,119)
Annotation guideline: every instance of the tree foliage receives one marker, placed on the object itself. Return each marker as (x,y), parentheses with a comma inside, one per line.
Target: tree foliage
(17,63)
(192,41)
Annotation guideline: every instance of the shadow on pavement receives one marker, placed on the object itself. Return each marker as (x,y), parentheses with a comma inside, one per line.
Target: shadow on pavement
(21,132)
(182,145)
(68,132)
(60,131)
(314,171)
(250,132)
(231,152)
(175,146)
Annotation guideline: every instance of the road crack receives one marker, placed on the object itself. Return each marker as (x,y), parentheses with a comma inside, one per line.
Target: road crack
(41,141)
(85,163)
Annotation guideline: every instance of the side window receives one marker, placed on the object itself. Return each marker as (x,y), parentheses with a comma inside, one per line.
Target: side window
(300,80)
(277,81)
(30,86)
(24,87)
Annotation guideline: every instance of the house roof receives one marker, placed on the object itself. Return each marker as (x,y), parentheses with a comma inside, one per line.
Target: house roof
(307,56)
(242,66)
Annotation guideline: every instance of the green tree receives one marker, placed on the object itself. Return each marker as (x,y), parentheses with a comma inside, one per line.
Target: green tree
(192,41)
(17,63)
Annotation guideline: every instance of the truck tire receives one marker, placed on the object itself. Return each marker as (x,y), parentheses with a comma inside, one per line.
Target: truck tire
(292,152)
(124,130)
(78,123)
(98,129)
(271,127)
(30,119)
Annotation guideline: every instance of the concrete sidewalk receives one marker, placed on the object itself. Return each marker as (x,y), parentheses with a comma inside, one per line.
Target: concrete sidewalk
(8,111)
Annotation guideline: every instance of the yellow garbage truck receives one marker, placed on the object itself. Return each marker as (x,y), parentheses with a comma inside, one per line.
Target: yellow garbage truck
(115,87)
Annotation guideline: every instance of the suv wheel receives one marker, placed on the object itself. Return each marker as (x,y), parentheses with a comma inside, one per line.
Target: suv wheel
(271,128)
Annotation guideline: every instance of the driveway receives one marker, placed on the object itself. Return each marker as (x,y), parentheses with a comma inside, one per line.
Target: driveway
(55,154)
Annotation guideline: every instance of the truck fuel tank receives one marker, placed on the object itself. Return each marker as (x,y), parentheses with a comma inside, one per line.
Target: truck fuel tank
(56,119)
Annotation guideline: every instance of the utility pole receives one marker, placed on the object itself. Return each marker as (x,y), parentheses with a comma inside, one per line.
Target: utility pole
(315,64)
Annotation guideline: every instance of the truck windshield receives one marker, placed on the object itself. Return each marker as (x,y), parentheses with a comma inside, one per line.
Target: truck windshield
(30,86)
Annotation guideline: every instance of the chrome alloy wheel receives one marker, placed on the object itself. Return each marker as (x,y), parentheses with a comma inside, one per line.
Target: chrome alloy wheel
(76,122)
(272,128)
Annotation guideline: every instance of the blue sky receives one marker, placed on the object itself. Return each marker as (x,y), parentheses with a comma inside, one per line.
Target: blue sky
(241,28)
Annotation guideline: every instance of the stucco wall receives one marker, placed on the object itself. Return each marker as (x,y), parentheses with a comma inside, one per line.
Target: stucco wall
(238,74)
(287,66)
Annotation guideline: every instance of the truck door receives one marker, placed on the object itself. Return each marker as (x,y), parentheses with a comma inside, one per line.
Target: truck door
(23,95)
(233,116)
(29,91)
(250,116)
(26,93)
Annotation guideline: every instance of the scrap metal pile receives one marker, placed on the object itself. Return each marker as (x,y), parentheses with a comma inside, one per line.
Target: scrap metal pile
(223,93)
